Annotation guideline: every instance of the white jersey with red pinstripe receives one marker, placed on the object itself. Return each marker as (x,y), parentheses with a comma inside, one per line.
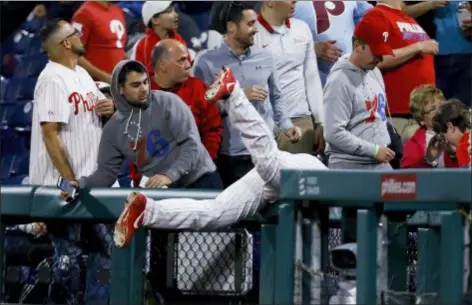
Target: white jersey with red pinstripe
(65,96)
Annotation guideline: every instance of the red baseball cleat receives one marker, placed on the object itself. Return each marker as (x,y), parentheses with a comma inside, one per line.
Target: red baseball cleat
(130,219)
(222,87)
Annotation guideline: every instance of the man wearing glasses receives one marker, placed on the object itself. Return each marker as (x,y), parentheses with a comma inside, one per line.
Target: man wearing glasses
(255,69)
(66,130)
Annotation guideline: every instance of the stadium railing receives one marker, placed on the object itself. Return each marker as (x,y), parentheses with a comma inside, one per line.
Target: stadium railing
(309,193)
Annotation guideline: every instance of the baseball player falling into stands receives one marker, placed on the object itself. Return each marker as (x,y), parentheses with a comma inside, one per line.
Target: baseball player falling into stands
(241,199)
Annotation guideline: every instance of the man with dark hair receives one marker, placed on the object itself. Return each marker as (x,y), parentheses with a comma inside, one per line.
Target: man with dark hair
(66,130)
(453,121)
(255,69)
(156,131)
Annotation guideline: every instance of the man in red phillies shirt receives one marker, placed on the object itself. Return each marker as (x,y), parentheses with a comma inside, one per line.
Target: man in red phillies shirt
(161,21)
(171,72)
(411,65)
(103,28)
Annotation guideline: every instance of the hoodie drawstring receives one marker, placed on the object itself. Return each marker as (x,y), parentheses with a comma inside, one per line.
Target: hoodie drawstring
(139,127)
(129,119)
(139,130)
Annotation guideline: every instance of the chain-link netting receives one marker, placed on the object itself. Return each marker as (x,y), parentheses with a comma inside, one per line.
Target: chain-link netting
(205,266)
(57,262)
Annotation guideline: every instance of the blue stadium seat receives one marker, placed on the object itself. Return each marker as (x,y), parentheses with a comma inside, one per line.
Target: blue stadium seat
(16,180)
(14,143)
(4,87)
(7,162)
(20,116)
(7,108)
(30,65)
(33,25)
(20,165)
(20,88)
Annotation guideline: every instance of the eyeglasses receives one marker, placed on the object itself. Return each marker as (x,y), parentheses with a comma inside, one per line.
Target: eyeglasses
(75,33)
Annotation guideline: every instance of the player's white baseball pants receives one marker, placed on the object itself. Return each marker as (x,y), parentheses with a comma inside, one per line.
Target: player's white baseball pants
(247,195)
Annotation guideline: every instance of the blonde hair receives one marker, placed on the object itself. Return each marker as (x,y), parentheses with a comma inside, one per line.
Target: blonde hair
(420,97)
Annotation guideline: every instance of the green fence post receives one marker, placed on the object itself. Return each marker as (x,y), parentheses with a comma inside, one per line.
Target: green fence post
(267,263)
(367,221)
(2,257)
(307,240)
(127,271)
(285,255)
(397,236)
(428,277)
(452,258)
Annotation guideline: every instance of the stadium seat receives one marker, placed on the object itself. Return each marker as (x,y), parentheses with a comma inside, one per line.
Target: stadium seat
(4,87)
(7,162)
(21,116)
(16,180)
(14,143)
(7,108)
(30,65)
(34,24)
(20,89)
(22,41)
(20,165)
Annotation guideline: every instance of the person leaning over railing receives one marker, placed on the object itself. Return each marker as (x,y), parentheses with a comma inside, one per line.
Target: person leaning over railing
(425,148)
(453,122)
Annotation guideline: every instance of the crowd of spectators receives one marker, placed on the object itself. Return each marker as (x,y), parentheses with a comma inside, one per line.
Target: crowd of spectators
(305,66)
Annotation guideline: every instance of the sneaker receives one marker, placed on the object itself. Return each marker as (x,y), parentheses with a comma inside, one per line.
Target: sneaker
(130,219)
(222,87)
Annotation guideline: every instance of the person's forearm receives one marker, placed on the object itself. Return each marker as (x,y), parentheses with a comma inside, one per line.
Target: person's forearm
(417,10)
(95,72)
(400,57)
(58,156)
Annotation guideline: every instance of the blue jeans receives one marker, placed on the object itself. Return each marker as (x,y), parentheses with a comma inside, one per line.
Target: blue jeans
(453,76)
(66,276)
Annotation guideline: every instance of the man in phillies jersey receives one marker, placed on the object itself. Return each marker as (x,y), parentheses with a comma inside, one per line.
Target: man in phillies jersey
(172,73)
(411,65)
(332,25)
(156,131)
(161,21)
(66,131)
(103,28)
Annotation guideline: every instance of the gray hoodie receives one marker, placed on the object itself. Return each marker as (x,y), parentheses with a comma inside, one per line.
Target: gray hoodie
(161,138)
(355,120)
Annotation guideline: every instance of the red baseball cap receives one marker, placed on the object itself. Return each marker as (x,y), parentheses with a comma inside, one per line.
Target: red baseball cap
(373,29)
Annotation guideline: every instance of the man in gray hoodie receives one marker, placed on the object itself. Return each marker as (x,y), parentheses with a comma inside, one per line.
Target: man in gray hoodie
(355,103)
(156,131)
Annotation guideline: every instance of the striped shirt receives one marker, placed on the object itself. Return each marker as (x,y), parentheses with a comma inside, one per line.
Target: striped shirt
(65,96)
(256,66)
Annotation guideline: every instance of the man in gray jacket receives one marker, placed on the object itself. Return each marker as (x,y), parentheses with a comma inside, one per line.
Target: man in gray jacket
(156,131)
(355,103)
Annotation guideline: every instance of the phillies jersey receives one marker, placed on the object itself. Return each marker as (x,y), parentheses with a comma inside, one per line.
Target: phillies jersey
(403,31)
(103,33)
(65,96)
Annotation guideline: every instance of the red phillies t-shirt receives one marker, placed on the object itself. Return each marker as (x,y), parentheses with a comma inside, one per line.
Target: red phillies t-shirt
(399,82)
(103,34)
(462,150)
